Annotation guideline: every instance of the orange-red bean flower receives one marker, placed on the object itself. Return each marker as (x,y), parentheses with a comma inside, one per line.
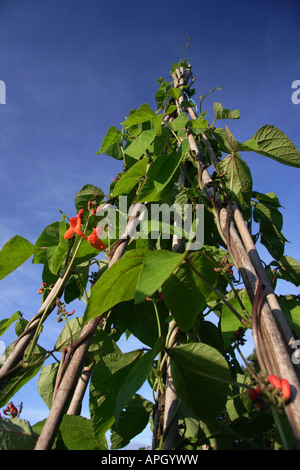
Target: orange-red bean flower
(94,239)
(75,227)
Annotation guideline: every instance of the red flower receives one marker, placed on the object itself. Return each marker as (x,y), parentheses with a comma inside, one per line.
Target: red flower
(75,227)
(95,240)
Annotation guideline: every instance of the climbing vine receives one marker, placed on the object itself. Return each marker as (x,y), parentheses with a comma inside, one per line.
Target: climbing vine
(173,245)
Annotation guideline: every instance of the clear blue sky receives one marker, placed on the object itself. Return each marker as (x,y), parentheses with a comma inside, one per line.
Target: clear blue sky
(73,68)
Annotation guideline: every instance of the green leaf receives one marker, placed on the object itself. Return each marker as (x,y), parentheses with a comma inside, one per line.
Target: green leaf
(140,320)
(5,324)
(200,375)
(46,382)
(142,114)
(268,213)
(179,122)
(16,434)
(238,178)
(161,176)
(22,375)
(131,178)
(290,306)
(132,422)
(223,113)
(199,124)
(86,194)
(14,253)
(139,146)
(75,327)
(117,284)
(109,373)
(270,198)
(112,137)
(77,433)
(185,294)
(273,143)
(48,237)
(220,136)
(229,321)
(289,270)
(272,239)
(158,266)
(56,254)
(136,377)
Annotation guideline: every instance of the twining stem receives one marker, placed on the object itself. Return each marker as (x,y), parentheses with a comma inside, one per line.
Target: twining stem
(158,375)
(242,319)
(258,341)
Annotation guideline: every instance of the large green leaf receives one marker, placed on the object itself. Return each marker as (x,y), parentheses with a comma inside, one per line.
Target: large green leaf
(272,239)
(140,320)
(108,375)
(131,178)
(267,214)
(200,375)
(136,377)
(199,124)
(142,114)
(56,254)
(273,143)
(289,270)
(185,294)
(132,422)
(77,433)
(139,146)
(16,434)
(14,253)
(263,211)
(179,122)
(161,176)
(158,266)
(111,138)
(48,237)
(46,382)
(238,178)
(117,284)
(86,194)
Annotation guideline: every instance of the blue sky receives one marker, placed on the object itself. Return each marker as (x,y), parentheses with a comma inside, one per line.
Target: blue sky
(73,68)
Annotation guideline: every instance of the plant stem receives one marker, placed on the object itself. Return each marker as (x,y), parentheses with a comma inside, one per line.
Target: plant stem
(187,260)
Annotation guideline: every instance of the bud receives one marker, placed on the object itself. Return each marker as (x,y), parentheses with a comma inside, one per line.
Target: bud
(275,381)
(285,389)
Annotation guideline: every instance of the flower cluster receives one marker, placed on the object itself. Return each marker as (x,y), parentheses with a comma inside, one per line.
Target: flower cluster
(61,310)
(224,266)
(273,389)
(10,410)
(75,228)
(41,290)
